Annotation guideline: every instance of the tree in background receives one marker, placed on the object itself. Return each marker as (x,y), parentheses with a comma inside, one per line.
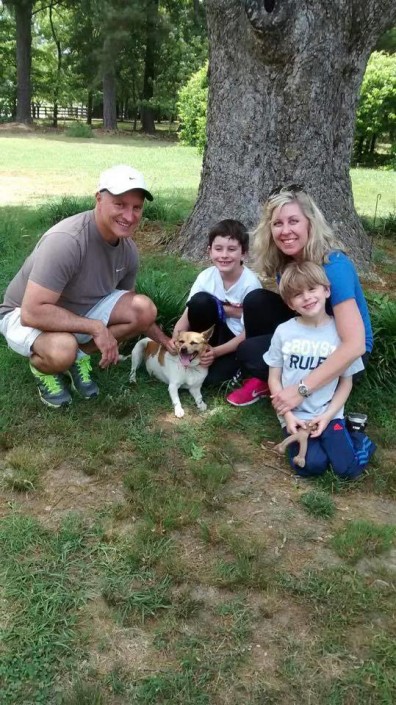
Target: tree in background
(284,81)
(376,114)
(184,50)
(8,67)
(23,13)
(130,57)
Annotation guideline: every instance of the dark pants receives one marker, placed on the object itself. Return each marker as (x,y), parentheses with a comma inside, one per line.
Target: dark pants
(263,311)
(347,453)
(204,312)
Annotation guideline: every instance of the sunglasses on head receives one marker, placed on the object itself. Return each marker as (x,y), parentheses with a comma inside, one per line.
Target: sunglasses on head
(294,188)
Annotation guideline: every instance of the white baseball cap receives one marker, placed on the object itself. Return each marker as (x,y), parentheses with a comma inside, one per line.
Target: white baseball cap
(121,178)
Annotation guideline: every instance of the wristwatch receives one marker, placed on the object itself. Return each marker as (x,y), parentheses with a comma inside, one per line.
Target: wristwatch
(303,389)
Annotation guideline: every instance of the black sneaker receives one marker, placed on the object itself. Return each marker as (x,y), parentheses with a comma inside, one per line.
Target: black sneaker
(52,389)
(80,375)
(356,422)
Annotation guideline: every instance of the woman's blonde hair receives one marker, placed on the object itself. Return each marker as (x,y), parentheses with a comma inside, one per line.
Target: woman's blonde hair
(268,259)
(298,276)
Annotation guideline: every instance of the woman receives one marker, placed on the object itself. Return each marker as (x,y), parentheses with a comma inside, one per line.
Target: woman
(293,228)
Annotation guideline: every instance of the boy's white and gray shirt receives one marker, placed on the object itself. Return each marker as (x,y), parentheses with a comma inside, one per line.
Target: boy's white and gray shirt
(298,349)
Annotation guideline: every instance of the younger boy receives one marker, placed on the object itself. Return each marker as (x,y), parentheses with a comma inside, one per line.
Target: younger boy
(216,298)
(299,346)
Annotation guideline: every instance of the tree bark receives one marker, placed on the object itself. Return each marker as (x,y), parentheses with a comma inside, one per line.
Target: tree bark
(23,20)
(147,111)
(57,83)
(284,78)
(109,101)
(89,107)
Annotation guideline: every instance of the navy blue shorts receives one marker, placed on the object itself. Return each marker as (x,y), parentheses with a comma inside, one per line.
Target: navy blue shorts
(347,453)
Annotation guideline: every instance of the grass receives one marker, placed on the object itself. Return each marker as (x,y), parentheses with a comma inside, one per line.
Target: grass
(46,165)
(147,560)
(318,504)
(363,539)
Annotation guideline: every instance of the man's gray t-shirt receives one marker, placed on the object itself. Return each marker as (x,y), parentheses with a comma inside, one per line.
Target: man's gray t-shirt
(74,260)
(298,349)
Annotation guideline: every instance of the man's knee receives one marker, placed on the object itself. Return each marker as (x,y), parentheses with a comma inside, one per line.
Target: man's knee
(145,311)
(58,350)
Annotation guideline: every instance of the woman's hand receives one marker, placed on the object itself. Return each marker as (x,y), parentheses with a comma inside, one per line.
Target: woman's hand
(286,399)
(208,357)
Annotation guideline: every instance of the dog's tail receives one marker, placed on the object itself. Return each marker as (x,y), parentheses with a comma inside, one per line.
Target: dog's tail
(137,356)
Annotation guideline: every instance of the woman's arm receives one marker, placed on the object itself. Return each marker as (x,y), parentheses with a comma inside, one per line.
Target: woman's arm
(350,328)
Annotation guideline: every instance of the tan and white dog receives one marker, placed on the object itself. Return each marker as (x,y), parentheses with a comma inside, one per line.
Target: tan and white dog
(177,371)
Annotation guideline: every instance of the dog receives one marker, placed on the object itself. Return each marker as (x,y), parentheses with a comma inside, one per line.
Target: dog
(181,370)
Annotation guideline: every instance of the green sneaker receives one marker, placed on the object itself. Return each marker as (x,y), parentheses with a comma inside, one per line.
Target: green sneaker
(80,375)
(52,389)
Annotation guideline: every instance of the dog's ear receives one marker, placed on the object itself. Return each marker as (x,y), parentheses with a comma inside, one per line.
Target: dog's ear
(207,334)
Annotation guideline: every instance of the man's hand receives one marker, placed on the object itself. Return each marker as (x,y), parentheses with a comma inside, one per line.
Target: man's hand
(208,357)
(293,423)
(286,399)
(170,345)
(107,345)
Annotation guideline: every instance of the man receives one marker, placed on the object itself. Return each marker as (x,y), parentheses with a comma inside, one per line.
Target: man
(74,294)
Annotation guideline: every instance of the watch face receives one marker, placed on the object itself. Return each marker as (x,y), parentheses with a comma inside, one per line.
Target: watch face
(303,390)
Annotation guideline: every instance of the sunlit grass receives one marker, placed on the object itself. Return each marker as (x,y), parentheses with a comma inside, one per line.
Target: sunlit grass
(34,167)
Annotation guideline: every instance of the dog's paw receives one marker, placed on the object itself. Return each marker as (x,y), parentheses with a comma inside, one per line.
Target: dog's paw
(132,377)
(202,406)
(179,412)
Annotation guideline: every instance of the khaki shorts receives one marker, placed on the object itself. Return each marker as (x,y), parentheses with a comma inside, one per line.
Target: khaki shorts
(21,338)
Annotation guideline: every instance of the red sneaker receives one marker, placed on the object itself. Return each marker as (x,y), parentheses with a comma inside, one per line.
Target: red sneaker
(251,391)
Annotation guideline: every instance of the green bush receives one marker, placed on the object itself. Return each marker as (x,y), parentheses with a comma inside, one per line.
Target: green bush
(159,287)
(79,129)
(172,209)
(192,106)
(382,363)
(59,208)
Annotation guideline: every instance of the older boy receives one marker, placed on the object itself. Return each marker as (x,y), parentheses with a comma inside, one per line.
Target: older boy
(216,299)
(299,346)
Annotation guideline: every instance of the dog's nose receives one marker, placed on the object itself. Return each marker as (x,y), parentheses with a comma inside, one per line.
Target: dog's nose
(183,349)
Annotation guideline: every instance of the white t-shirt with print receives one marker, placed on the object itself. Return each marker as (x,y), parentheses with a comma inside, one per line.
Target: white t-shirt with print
(298,349)
(210,281)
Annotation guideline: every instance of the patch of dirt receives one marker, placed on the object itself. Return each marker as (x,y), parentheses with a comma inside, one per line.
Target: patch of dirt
(112,646)
(64,489)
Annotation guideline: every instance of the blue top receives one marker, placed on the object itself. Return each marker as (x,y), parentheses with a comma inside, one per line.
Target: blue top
(345,284)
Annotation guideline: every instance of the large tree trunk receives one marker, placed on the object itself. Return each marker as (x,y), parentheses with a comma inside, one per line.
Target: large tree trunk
(109,101)
(57,83)
(147,112)
(23,21)
(284,78)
